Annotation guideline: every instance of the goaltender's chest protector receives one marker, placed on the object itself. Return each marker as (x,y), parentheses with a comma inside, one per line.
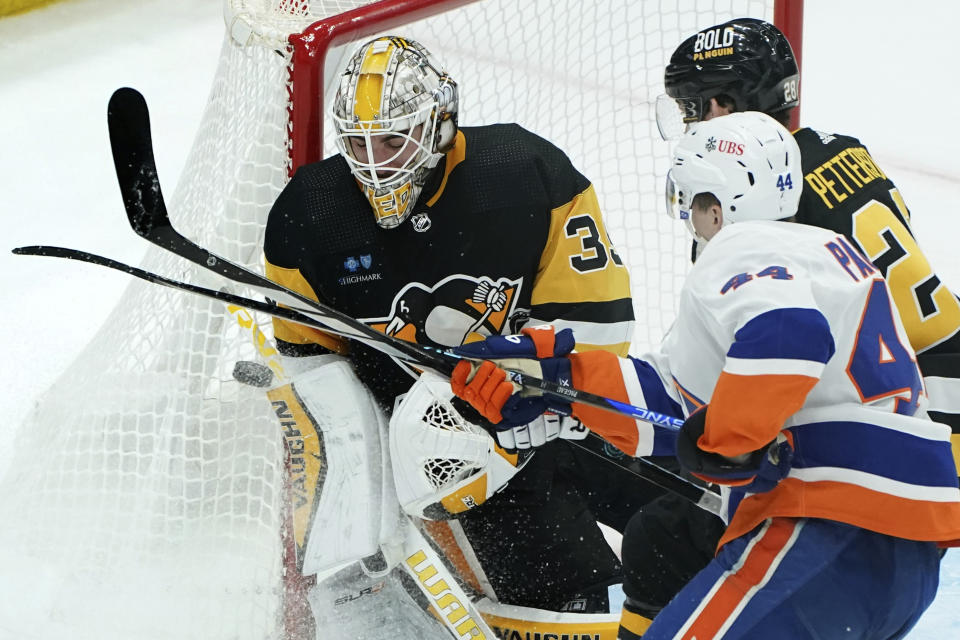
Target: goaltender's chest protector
(465,262)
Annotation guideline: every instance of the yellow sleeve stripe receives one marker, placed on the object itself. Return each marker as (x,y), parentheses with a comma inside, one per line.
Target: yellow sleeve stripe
(619,349)
(610,336)
(292,332)
(578,264)
(634,622)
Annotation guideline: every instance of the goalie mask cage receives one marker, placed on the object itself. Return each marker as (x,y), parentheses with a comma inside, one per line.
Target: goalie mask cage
(144,498)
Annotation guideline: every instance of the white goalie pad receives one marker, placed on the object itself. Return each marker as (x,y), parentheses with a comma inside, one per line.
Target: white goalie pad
(333,429)
(443,464)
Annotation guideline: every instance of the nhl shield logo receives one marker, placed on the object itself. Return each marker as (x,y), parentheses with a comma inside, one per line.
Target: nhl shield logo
(366,261)
(420,221)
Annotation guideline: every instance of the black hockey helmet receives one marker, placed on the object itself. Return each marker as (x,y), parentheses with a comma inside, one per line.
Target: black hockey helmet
(749,60)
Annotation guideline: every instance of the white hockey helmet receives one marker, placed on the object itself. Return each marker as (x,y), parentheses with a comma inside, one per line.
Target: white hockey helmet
(748,160)
(392,88)
(442,463)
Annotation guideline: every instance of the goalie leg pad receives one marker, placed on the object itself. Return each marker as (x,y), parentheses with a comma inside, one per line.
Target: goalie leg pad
(351,604)
(332,430)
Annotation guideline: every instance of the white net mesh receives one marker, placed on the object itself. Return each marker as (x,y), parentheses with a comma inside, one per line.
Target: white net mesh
(146,464)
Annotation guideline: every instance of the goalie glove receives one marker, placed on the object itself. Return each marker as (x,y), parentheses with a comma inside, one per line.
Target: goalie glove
(537,352)
(443,463)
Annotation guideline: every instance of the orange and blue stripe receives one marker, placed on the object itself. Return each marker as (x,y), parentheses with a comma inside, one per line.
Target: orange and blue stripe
(775,360)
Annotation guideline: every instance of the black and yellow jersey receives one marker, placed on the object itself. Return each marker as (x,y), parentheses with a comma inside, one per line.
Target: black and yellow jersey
(847,192)
(506,232)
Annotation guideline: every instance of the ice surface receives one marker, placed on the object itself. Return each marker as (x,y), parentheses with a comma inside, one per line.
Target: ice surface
(874,69)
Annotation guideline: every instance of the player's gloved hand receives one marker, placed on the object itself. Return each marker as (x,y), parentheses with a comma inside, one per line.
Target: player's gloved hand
(538,352)
(540,431)
(756,471)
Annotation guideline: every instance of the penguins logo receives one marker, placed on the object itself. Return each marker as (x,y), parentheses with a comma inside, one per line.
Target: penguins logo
(456,310)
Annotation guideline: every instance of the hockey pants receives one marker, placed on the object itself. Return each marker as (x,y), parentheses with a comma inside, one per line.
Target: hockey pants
(805,579)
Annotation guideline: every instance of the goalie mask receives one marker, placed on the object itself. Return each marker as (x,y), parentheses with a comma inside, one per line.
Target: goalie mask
(442,463)
(746,60)
(395,115)
(747,160)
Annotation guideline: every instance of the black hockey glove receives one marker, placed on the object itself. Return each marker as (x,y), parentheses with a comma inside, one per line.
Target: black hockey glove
(760,471)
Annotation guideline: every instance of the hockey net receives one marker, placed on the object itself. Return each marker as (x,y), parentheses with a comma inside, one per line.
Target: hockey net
(144,497)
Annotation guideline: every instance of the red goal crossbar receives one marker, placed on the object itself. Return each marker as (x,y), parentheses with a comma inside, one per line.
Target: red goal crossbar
(311,46)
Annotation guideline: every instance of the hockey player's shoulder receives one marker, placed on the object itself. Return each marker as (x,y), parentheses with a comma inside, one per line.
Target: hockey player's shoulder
(511,144)
(331,173)
(764,237)
(761,231)
(811,139)
(320,195)
(821,150)
(316,189)
(522,161)
(744,251)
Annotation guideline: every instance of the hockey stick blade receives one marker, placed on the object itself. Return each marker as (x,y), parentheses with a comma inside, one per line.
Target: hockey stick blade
(128,120)
(129,125)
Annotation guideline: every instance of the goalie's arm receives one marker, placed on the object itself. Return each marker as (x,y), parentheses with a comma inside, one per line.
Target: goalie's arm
(581,283)
(296,339)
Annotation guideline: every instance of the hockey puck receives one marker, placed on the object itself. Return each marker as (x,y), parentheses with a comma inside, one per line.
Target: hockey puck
(252,373)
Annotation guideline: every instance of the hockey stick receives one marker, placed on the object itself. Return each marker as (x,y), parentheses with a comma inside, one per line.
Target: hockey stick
(146,211)
(131,141)
(318,316)
(130,138)
(653,473)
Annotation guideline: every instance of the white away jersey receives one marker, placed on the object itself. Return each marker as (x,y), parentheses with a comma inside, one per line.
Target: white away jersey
(787,327)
